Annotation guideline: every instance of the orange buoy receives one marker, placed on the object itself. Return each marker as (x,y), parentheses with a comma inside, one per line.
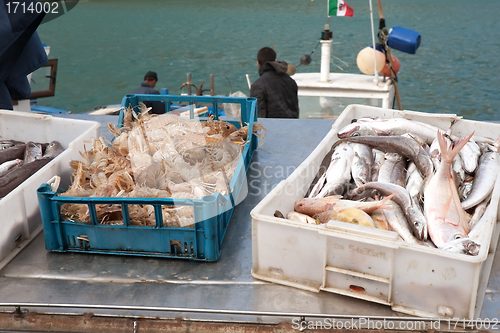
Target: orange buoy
(366,63)
(396,65)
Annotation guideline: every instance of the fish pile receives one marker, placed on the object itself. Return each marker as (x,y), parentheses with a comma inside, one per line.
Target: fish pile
(430,187)
(19,160)
(156,156)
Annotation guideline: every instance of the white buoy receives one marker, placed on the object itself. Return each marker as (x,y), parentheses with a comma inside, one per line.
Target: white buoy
(365,60)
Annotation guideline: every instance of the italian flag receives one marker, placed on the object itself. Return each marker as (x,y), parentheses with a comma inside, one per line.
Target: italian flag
(339,8)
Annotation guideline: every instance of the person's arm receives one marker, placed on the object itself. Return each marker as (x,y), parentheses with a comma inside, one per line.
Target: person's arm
(260,94)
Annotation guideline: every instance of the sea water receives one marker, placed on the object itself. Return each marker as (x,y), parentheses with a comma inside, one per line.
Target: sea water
(104,48)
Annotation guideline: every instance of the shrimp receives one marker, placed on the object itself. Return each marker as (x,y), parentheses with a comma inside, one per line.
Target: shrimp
(156,156)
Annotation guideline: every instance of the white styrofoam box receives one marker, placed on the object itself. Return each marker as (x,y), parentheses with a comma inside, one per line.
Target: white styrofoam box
(20,218)
(366,263)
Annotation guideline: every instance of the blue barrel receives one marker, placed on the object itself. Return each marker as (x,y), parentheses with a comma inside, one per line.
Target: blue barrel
(404,40)
(378,47)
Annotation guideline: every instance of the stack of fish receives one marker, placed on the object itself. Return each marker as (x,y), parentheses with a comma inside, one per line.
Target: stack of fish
(439,185)
(156,156)
(19,160)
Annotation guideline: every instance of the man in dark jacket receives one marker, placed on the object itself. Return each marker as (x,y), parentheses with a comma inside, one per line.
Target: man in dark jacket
(275,90)
(148,87)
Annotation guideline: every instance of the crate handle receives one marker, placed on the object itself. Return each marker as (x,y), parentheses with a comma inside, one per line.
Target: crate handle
(333,227)
(54,183)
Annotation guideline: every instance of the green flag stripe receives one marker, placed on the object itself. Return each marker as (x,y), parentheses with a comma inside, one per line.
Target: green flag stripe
(332,7)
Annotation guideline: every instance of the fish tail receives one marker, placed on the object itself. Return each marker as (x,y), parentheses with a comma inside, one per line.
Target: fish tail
(384,203)
(448,154)
(496,144)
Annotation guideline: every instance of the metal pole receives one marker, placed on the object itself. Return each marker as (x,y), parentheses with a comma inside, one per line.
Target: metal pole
(373,41)
(18,307)
(189,83)
(326,46)
(248,81)
(212,89)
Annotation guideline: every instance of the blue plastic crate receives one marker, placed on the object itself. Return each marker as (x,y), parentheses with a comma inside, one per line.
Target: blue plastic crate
(211,214)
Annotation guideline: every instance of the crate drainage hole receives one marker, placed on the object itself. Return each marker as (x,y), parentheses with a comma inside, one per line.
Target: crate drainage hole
(357,289)
(176,247)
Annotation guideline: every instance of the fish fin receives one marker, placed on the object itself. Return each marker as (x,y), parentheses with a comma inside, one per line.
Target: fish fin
(446,209)
(448,154)
(496,144)
(331,198)
(318,186)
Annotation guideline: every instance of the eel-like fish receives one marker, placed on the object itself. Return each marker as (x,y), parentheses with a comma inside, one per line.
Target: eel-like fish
(14,178)
(413,214)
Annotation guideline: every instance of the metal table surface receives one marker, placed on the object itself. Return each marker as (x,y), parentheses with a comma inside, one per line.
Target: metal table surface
(224,290)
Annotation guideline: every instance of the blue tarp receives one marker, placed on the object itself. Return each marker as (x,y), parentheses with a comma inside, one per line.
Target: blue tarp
(21,51)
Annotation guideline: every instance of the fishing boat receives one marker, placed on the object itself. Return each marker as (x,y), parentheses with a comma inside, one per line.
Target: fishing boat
(326,94)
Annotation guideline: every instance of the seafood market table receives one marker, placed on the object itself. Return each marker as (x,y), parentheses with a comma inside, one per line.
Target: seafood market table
(95,292)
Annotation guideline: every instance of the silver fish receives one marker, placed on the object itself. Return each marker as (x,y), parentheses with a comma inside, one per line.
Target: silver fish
(405,146)
(389,127)
(378,160)
(413,214)
(414,183)
(458,170)
(362,162)
(393,169)
(479,212)
(435,153)
(397,220)
(465,188)
(478,231)
(32,152)
(4,144)
(53,149)
(337,177)
(484,179)
(470,156)
(9,165)
(446,219)
(462,245)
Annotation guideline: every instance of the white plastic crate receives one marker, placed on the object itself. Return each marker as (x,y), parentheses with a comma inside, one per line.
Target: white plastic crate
(366,263)
(20,218)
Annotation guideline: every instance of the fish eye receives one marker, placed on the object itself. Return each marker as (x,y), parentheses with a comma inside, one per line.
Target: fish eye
(355,134)
(457,237)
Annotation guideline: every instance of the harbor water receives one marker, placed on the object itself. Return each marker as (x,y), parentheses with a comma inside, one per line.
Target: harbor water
(104,48)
